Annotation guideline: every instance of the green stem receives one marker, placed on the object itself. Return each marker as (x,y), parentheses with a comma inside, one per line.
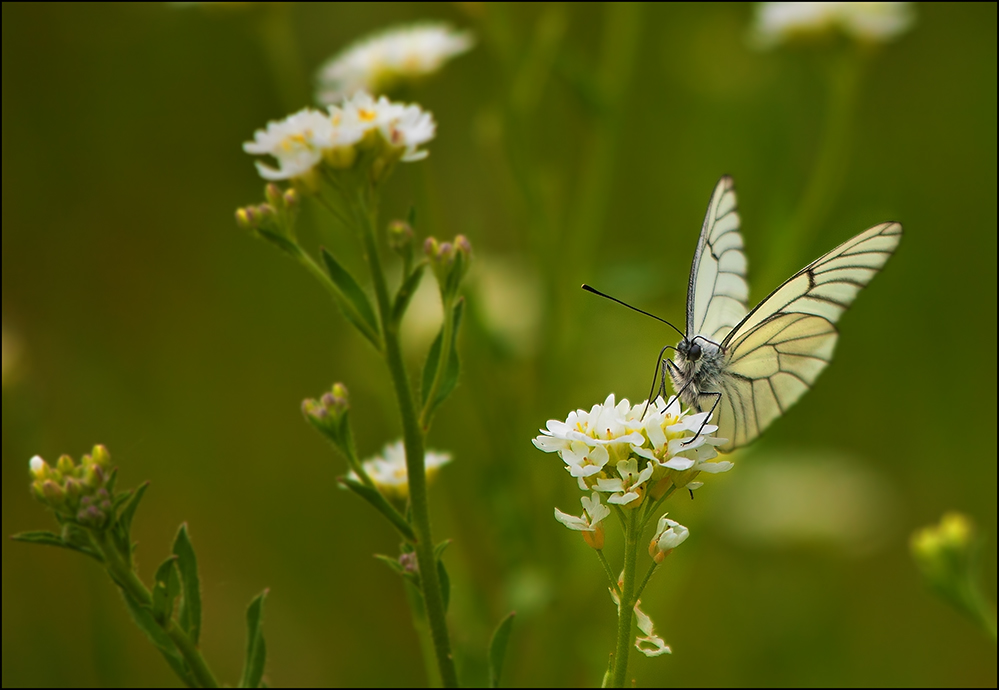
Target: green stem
(442,363)
(626,611)
(645,582)
(828,174)
(419,613)
(124,576)
(415,467)
(609,571)
(654,508)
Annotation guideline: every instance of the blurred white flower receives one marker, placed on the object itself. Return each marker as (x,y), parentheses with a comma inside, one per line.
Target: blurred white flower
(304,140)
(296,142)
(397,55)
(508,301)
(669,535)
(388,470)
(872,22)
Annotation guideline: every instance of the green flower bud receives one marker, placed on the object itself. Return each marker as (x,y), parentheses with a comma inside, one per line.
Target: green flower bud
(101,457)
(329,416)
(449,262)
(274,195)
(54,494)
(66,466)
(292,199)
(400,238)
(244,219)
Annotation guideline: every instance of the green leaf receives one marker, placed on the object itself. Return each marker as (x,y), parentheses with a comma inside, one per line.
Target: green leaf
(190,602)
(362,314)
(256,648)
(445,584)
(399,569)
(144,618)
(497,649)
(406,292)
(450,378)
(441,548)
(378,502)
(282,243)
(52,539)
(166,589)
(411,218)
(128,511)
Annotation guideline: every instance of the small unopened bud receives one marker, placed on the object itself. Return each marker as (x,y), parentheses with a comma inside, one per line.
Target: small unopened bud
(409,563)
(291,199)
(400,237)
(430,247)
(73,488)
(66,466)
(54,494)
(101,457)
(274,195)
(244,218)
(339,399)
(463,245)
(265,213)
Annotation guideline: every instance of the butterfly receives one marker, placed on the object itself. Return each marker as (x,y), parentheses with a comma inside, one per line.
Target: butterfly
(748,367)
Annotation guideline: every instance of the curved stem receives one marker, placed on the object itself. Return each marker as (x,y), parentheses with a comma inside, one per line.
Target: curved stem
(609,571)
(125,577)
(648,576)
(626,611)
(415,467)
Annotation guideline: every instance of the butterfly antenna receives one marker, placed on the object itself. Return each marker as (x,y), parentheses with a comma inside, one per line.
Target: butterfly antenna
(640,311)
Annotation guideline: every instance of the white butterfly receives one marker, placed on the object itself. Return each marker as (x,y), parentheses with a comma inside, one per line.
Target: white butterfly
(749,367)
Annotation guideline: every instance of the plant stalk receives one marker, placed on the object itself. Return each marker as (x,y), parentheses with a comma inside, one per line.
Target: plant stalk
(415,465)
(626,611)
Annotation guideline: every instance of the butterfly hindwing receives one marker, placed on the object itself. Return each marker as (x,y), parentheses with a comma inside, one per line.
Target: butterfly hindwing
(717,291)
(778,350)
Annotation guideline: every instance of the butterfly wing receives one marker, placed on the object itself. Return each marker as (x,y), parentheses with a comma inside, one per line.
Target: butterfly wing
(717,291)
(778,350)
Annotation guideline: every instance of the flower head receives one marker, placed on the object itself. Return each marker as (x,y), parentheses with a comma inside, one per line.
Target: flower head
(618,448)
(589,522)
(296,142)
(388,470)
(871,22)
(395,56)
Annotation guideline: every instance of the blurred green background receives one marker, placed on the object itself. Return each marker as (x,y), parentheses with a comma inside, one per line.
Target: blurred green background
(137,315)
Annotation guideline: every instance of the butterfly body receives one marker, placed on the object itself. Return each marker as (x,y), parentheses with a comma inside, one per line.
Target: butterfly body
(747,367)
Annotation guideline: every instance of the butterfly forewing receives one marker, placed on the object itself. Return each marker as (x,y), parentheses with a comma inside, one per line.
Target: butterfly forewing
(717,291)
(778,350)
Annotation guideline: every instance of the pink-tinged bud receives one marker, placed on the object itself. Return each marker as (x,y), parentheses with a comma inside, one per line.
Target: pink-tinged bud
(273,195)
(430,247)
(291,199)
(54,494)
(463,245)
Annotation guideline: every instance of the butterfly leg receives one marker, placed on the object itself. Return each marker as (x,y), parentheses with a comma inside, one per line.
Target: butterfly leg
(717,397)
(659,362)
(674,371)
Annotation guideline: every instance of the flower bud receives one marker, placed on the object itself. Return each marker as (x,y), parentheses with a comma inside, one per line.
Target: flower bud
(291,199)
(39,468)
(669,535)
(101,457)
(449,261)
(400,237)
(66,466)
(274,195)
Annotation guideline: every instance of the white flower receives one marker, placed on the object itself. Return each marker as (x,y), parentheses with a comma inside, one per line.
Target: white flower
(296,142)
(382,61)
(593,513)
(651,645)
(388,470)
(627,486)
(669,535)
(875,22)
(681,442)
(38,467)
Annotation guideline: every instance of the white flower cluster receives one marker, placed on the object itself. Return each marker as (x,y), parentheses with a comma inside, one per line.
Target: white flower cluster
(378,63)
(614,451)
(300,142)
(872,22)
(388,470)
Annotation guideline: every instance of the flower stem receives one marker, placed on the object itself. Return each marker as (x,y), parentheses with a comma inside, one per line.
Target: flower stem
(124,576)
(626,611)
(610,573)
(442,363)
(415,467)
(648,576)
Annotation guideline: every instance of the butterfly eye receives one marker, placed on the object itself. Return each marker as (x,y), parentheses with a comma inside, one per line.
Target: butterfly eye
(694,353)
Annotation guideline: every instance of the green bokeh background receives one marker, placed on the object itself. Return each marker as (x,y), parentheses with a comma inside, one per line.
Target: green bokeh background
(149,323)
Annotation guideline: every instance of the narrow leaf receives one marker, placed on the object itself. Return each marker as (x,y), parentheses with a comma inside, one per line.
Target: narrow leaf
(354,294)
(392,563)
(190,602)
(51,539)
(497,649)
(143,618)
(166,589)
(445,584)
(406,292)
(256,648)
(128,512)
(450,376)
(282,243)
(378,502)
(411,218)
(441,548)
